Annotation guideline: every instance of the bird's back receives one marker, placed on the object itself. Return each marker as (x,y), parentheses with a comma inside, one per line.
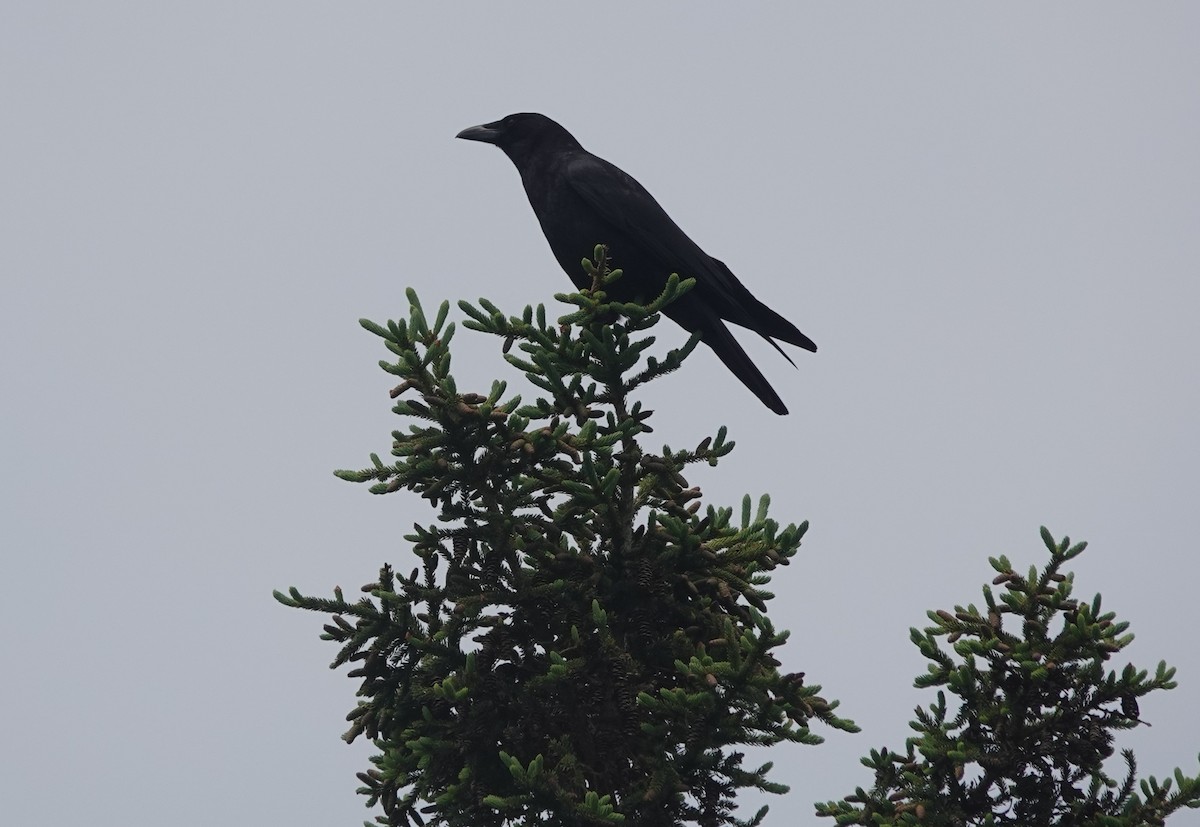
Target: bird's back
(582,200)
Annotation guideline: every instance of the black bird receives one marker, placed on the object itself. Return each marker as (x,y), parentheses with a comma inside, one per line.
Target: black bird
(581,201)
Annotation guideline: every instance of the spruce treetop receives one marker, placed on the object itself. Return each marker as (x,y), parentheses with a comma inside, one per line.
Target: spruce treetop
(1028,737)
(582,642)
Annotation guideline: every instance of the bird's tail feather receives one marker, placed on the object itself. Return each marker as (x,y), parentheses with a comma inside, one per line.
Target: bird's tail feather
(717,336)
(775,345)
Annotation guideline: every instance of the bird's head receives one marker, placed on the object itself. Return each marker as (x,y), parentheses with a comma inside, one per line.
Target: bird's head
(521,135)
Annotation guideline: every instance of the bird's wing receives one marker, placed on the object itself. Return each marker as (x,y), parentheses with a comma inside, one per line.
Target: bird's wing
(625,204)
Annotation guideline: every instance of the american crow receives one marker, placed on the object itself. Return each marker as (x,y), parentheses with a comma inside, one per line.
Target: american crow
(581,201)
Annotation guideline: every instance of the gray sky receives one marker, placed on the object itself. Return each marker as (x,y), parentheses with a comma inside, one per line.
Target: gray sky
(987,218)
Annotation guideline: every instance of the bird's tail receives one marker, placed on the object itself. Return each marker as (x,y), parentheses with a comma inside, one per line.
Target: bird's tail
(717,336)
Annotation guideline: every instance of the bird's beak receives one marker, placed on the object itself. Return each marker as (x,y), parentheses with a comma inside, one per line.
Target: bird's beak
(487,133)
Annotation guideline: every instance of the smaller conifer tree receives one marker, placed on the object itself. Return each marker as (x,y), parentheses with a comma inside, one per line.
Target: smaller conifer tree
(581,642)
(1036,711)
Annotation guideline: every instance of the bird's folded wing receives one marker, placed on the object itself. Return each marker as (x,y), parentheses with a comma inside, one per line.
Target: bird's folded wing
(625,204)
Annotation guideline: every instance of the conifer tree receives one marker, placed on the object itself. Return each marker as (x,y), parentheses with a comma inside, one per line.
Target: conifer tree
(1028,737)
(581,641)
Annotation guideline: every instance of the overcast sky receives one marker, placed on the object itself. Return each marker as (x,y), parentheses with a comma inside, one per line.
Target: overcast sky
(988,218)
